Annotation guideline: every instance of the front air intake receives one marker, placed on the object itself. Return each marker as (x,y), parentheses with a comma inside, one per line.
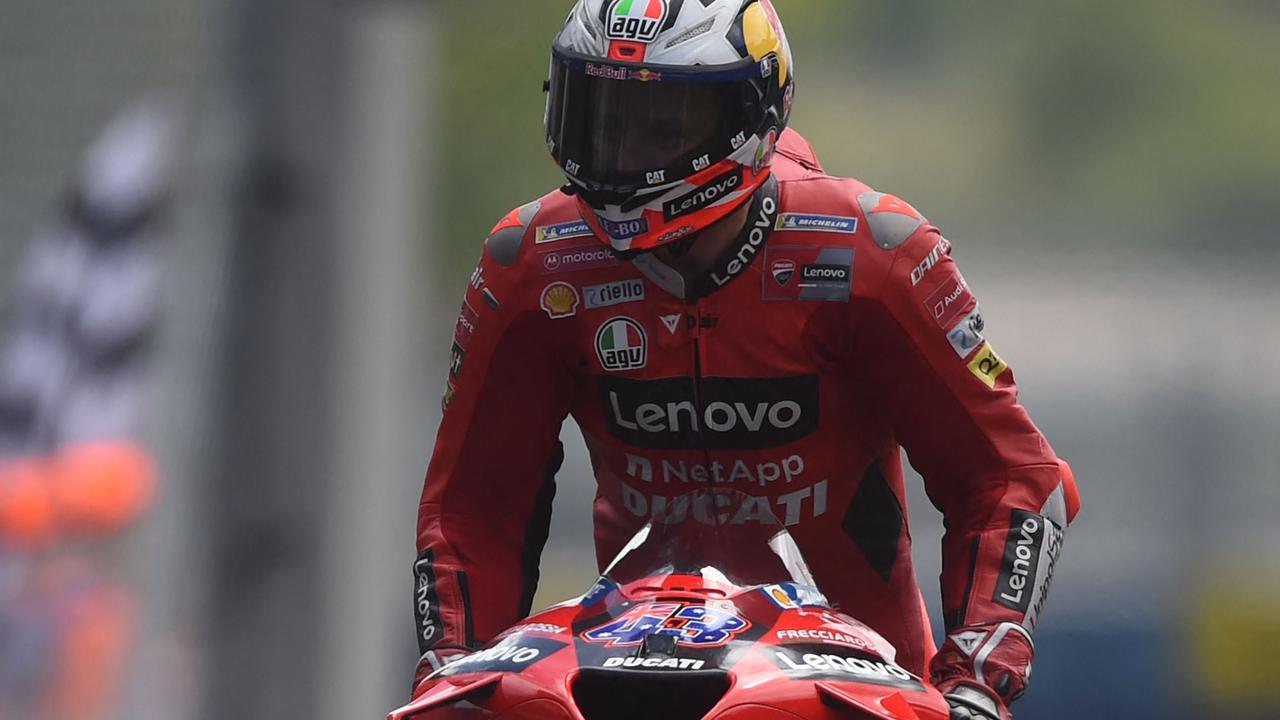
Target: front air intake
(643,695)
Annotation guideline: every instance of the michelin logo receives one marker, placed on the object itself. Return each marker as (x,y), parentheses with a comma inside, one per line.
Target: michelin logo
(800,222)
(563,231)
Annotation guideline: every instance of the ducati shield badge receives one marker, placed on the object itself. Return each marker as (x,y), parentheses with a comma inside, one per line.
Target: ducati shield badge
(783,270)
(621,344)
(560,300)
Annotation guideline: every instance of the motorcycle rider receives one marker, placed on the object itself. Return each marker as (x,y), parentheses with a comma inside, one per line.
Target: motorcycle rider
(712,307)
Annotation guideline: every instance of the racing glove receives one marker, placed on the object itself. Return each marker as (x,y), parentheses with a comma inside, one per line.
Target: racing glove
(967,702)
(981,669)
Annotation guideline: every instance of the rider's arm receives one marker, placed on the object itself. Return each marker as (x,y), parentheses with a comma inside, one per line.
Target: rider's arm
(486,502)
(952,404)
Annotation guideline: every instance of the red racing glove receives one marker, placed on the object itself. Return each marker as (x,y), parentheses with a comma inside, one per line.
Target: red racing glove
(981,669)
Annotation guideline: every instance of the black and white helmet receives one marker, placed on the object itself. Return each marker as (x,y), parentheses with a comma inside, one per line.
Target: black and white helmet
(664,114)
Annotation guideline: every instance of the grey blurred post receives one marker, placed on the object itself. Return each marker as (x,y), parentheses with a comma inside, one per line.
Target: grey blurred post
(316,411)
(378,438)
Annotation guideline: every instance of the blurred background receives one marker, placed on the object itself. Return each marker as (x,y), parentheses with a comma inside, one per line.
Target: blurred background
(234,235)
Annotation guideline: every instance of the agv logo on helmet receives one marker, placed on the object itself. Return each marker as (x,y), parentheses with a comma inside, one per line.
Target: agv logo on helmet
(636,20)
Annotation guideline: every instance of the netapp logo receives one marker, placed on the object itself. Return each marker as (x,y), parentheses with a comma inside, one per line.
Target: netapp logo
(736,413)
(703,196)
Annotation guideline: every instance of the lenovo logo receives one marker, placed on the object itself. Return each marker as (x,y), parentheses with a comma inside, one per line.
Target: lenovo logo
(704,196)
(735,413)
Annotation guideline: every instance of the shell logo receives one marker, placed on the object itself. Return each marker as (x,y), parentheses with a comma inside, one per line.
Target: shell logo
(560,300)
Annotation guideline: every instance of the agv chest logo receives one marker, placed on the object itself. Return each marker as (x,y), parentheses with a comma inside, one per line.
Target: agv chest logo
(622,345)
(636,20)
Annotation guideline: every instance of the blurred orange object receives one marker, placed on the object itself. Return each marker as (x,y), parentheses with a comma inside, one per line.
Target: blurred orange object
(101,487)
(90,655)
(86,488)
(26,507)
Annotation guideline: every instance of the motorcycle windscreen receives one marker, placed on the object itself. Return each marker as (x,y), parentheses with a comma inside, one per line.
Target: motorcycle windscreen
(722,535)
(615,127)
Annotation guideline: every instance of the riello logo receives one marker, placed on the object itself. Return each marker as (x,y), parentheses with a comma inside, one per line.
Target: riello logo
(636,20)
(622,345)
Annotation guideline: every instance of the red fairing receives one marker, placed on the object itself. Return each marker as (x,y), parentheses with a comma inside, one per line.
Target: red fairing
(681,645)
(834,330)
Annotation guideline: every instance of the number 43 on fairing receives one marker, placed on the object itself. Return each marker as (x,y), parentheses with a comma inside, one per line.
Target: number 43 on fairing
(691,625)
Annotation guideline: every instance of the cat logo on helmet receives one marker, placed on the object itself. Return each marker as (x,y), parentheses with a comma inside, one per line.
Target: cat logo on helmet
(622,345)
(560,300)
(636,20)
(702,163)
(656,177)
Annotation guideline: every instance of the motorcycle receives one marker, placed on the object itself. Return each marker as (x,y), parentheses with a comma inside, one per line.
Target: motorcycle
(708,612)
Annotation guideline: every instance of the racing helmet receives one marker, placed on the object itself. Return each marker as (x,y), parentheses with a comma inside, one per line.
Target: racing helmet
(664,114)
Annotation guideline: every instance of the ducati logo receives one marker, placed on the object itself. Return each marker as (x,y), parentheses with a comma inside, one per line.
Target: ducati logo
(783,270)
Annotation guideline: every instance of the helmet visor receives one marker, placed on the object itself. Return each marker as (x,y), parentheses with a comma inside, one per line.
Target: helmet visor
(620,128)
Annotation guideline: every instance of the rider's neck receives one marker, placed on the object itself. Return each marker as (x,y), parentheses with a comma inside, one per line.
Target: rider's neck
(706,247)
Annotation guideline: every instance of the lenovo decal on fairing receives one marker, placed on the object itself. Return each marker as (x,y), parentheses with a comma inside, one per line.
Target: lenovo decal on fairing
(696,626)
(733,414)
(513,655)
(819,662)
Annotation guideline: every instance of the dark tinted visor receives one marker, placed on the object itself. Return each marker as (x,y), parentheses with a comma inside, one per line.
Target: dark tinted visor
(620,127)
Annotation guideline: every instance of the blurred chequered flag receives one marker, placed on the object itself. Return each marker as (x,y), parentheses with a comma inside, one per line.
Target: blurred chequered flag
(73,469)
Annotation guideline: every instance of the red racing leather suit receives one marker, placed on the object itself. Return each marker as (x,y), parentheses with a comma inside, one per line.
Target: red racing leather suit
(833,330)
